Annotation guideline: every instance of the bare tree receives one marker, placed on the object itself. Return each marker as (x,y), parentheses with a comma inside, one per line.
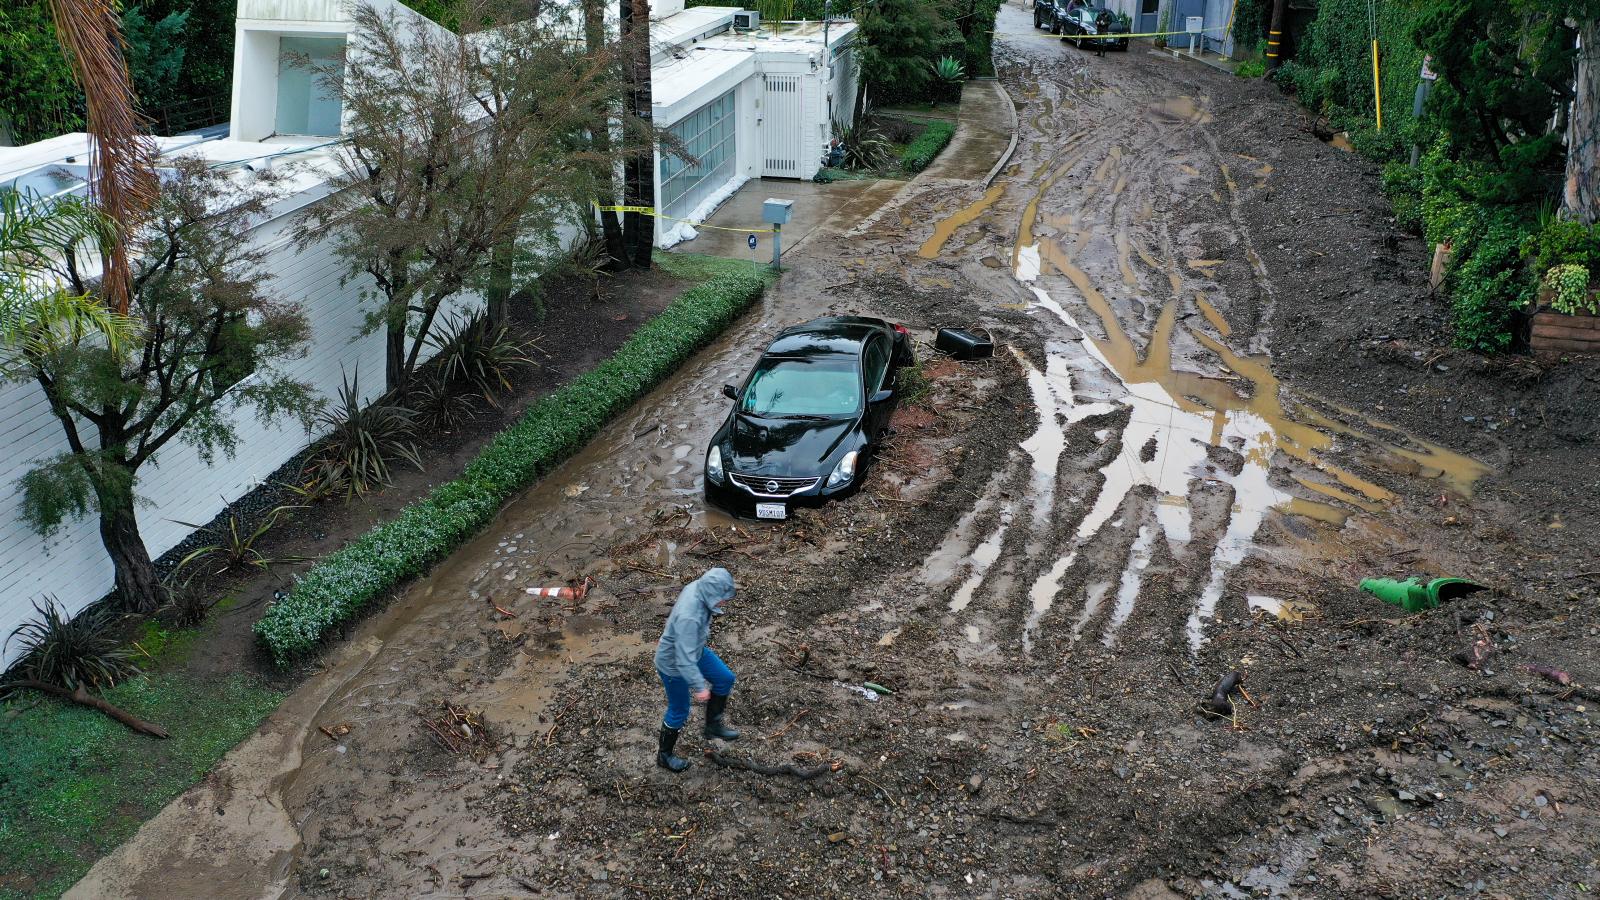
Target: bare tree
(458,147)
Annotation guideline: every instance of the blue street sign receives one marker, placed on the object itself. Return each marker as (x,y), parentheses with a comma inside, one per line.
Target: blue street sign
(751,240)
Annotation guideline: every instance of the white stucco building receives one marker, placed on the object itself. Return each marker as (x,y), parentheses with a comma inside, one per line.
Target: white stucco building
(743,102)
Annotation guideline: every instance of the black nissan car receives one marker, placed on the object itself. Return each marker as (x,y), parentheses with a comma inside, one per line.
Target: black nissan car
(804,421)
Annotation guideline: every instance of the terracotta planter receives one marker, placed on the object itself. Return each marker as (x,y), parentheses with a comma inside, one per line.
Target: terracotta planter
(1555,332)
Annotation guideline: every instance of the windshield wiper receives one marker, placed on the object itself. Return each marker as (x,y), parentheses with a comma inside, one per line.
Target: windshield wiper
(806,417)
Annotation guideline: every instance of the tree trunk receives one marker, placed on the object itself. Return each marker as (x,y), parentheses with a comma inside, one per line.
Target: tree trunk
(138,587)
(594,35)
(1274,36)
(501,269)
(1581,196)
(394,357)
(638,231)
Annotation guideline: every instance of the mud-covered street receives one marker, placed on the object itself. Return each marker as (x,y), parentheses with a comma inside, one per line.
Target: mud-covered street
(1219,402)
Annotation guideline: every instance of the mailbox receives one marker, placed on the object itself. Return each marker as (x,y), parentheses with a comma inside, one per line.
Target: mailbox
(776,212)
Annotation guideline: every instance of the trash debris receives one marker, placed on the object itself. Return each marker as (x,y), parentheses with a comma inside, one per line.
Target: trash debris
(863,690)
(874,686)
(1414,596)
(1220,702)
(565,593)
(1474,656)
(963,344)
(1554,674)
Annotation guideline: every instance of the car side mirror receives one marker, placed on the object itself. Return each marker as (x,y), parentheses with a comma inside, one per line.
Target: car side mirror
(883,396)
(729,392)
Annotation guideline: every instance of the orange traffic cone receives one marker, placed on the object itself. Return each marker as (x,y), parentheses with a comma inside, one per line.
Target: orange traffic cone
(565,593)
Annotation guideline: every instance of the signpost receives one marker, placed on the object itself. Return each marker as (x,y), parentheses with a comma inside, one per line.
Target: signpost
(1425,80)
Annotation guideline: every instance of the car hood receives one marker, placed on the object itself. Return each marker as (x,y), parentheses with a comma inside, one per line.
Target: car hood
(795,448)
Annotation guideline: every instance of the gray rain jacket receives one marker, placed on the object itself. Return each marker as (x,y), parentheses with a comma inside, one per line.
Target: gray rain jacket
(689,626)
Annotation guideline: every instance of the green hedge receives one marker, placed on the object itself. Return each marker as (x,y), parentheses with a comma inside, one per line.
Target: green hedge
(354,577)
(920,152)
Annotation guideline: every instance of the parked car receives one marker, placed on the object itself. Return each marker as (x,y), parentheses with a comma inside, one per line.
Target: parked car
(1050,14)
(807,418)
(1079,26)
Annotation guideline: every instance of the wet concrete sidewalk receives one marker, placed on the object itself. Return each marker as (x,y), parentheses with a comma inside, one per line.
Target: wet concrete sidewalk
(986,126)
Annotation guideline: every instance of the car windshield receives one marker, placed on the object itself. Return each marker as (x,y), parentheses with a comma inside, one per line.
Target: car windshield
(787,387)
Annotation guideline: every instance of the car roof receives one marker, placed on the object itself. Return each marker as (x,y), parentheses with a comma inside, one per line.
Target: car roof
(828,335)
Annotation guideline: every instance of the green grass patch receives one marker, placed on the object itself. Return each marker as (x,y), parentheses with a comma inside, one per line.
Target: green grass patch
(919,154)
(353,578)
(75,784)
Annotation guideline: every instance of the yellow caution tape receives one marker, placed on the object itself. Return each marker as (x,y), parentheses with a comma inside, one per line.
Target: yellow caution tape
(1116,36)
(651,211)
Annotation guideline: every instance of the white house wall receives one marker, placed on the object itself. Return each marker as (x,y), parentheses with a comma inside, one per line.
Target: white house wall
(177,486)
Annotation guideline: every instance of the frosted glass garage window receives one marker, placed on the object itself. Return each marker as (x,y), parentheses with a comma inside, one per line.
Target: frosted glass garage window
(707,134)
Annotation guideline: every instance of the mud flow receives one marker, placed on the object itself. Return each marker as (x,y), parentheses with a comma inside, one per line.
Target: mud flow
(990,664)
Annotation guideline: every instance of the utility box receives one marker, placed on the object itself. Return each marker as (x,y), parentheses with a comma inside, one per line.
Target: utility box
(1194,24)
(776,212)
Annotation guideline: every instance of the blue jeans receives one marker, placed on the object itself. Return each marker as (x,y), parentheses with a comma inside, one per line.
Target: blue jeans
(715,672)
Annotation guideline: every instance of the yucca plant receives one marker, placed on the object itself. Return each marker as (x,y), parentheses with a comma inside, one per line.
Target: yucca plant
(440,405)
(472,352)
(235,544)
(864,146)
(71,652)
(360,444)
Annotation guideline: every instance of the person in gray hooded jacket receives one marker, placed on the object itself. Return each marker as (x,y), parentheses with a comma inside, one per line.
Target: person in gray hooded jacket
(688,668)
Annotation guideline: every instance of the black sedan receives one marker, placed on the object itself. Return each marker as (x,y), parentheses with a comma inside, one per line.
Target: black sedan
(1080,25)
(808,416)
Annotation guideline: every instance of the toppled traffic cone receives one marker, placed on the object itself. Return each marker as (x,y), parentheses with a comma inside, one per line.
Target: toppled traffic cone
(1414,596)
(565,593)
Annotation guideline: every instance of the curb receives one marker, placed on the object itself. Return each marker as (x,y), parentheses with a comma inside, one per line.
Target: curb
(1011,108)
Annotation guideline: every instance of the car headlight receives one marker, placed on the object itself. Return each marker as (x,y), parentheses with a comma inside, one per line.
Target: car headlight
(714,465)
(845,471)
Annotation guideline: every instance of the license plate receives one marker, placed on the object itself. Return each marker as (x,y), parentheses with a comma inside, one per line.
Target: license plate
(771,511)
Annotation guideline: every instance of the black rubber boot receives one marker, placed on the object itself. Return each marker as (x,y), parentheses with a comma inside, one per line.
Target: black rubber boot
(716,727)
(664,757)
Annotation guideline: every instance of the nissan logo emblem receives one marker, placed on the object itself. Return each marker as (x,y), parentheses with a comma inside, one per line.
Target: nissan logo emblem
(772,487)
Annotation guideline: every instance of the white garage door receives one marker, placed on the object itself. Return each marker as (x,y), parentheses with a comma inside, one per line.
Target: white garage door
(783,129)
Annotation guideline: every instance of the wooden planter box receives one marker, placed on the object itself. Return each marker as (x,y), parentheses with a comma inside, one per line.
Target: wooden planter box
(1555,332)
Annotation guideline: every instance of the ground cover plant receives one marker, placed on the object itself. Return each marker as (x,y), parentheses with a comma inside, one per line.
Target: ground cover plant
(76,783)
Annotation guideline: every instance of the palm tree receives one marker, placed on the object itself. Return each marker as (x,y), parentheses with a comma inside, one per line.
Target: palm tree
(123,182)
(37,314)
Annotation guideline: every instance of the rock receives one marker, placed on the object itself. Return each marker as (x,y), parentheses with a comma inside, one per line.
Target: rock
(836,837)
(975,783)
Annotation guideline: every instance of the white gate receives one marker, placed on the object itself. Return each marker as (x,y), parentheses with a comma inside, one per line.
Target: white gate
(784,129)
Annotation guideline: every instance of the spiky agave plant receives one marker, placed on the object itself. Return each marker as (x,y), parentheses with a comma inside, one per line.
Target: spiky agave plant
(362,440)
(949,71)
(865,148)
(68,652)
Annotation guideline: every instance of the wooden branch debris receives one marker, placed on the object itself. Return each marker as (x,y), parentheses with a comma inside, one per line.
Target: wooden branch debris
(82,697)
(459,731)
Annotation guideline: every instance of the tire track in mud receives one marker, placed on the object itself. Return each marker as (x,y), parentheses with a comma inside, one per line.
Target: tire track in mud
(1122,220)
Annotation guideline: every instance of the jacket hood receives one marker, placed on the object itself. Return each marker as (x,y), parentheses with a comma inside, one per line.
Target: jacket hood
(712,588)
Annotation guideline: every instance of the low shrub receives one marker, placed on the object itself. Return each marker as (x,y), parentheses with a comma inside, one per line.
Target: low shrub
(362,440)
(364,571)
(1562,243)
(1251,68)
(919,154)
(71,651)
(1569,289)
(1402,184)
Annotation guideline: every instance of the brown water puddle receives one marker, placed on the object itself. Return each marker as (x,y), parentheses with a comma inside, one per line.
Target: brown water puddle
(1296,427)
(1187,110)
(1212,316)
(950,224)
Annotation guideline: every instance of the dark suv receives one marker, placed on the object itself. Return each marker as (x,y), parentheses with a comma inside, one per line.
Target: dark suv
(1052,14)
